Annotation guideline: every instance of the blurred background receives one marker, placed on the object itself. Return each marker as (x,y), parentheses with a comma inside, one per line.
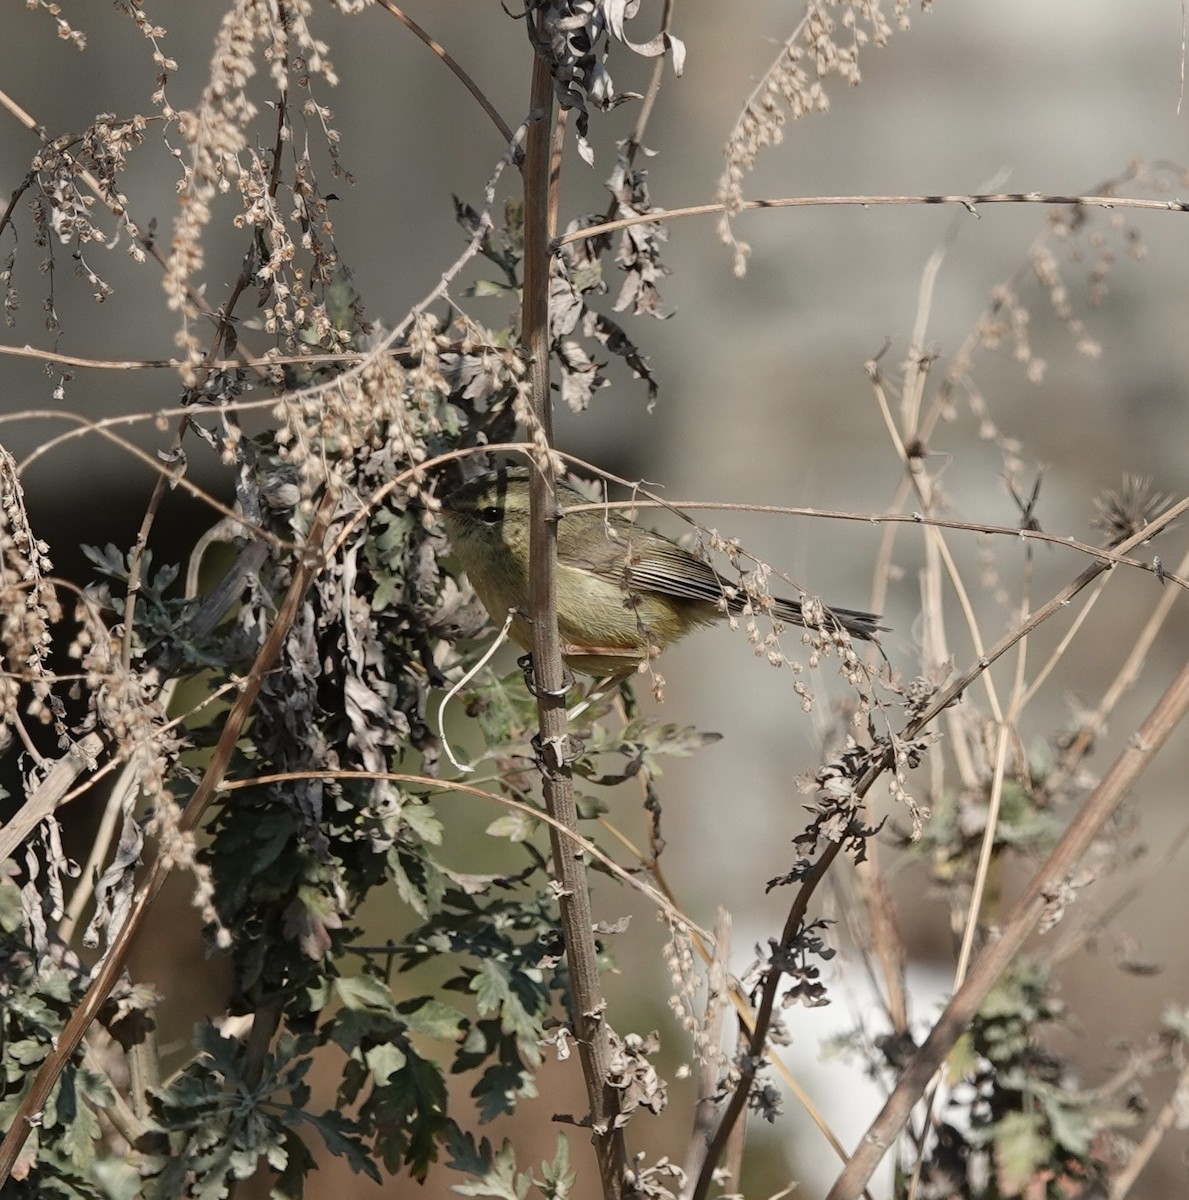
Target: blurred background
(764,397)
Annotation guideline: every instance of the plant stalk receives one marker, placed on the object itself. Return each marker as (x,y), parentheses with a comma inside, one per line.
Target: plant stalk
(586,995)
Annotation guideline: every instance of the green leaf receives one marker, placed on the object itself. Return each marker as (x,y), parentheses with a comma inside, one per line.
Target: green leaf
(384,1061)
(95,1087)
(341,1137)
(488,287)
(961,1060)
(422,820)
(490,986)
(494,993)
(557,1179)
(499,1088)
(433,1018)
(11,915)
(408,891)
(409,1117)
(499,1178)
(292,1161)
(78,1125)
(515,826)
(465,1154)
(1069,1121)
(110,560)
(364,992)
(1020,1147)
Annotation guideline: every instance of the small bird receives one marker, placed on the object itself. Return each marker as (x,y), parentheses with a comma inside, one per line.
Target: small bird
(624,593)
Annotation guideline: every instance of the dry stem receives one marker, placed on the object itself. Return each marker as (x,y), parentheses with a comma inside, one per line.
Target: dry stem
(586,995)
(1098,809)
(969,202)
(108,972)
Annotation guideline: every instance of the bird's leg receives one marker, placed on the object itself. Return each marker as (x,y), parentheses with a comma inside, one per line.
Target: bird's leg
(525,663)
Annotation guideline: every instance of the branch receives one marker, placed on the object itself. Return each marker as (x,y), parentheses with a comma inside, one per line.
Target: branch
(756,1043)
(1059,601)
(1170,1116)
(1168,712)
(970,203)
(267,360)
(47,795)
(586,996)
(108,972)
(647,499)
(442,53)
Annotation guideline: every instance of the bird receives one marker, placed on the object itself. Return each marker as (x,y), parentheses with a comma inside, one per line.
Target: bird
(624,592)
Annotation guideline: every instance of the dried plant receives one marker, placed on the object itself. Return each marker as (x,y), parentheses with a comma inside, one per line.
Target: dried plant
(794,86)
(264,710)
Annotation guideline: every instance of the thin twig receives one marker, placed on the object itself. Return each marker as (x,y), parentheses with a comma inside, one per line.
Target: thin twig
(752,1057)
(970,203)
(880,937)
(1067,638)
(161,485)
(223,328)
(173,364)
(1165,716)
(707,951)
(631,147)
(442,53)
(1171,1114)
(817,872)
(1100,920)
(644,113)
(645,499)
(712,1023)
(173,478)
(580,844)
(198,624)
(986,853)
(109,970)
(1115,557)
(48,794)
(957,686)
(1128,673)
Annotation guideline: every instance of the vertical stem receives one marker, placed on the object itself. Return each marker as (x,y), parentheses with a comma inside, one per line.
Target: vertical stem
(586,996)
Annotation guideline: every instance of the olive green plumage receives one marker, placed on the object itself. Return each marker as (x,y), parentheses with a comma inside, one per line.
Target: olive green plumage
(624,593)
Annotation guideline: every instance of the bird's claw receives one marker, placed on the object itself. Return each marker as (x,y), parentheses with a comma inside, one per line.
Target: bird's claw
(525,663)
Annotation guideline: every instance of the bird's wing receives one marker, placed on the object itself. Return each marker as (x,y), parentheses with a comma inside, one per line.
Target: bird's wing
(642,559)
(671,570)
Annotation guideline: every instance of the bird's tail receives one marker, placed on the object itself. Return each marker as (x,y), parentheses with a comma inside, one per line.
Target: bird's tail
(861,625)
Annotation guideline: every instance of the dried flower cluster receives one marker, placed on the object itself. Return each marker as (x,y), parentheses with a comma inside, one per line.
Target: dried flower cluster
(65,30)
(337,621)
(1128,510)
(219,157)
(792,89)
(29,608)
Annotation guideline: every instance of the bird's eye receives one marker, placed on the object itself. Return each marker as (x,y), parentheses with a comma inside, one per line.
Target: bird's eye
(491,514)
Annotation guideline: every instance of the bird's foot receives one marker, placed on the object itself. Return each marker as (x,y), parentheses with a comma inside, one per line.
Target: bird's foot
(525,663)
